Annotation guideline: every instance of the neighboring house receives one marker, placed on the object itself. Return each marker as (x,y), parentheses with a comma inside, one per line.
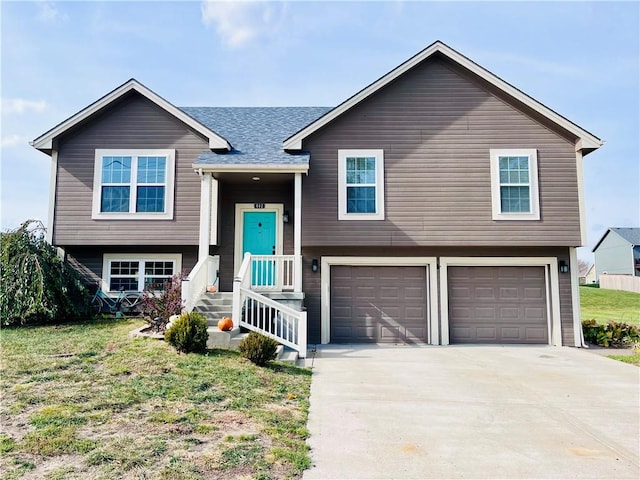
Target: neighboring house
(589,276)
(437,205)
(618,252)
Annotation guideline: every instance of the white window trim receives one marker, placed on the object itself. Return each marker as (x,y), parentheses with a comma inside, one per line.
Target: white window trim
(107,258)
(96,214)
(534,199)
(342,185)
(430,263)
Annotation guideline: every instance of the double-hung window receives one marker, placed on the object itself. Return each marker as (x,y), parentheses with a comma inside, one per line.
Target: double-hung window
(514,184)
(133,184)
(360,185)
(135,272)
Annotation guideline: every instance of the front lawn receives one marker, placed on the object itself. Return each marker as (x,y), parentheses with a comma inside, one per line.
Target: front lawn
(605,305)
(86,401)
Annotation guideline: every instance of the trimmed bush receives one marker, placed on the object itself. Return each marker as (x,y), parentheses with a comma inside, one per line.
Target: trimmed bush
(613,334)
(188,333)
(258,349)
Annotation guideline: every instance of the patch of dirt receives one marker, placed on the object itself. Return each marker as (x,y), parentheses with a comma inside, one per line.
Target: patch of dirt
(146,331)
(234,423)
(47,465)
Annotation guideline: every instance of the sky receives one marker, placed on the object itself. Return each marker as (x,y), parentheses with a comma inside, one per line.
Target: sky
(580,59)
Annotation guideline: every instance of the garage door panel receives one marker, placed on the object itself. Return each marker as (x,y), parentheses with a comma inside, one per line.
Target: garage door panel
(532,293)
(536,335)
(497,305)
(387,304)
(487,334)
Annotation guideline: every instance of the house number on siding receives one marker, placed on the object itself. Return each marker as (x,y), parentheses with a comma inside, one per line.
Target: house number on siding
(258,205)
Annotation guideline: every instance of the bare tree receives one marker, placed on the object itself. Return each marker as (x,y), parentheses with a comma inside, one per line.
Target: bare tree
(583,267)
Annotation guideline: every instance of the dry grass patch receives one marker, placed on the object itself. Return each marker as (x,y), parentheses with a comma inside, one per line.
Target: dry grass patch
(87,401)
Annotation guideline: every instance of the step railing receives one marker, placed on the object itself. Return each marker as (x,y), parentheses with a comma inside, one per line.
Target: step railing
(203,274)
(261,314)
(272,273)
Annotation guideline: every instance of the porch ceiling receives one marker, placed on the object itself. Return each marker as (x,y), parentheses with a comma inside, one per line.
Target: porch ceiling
(247,178)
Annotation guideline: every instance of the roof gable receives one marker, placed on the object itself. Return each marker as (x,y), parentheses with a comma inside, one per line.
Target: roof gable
(630,234)
(45,142)
(585,140)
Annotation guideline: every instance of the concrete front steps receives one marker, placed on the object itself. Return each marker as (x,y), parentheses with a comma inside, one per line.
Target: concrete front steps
(216,306)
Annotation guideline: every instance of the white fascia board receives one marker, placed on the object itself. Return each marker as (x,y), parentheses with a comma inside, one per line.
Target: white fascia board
(45,141)
(251,167)
(586,139)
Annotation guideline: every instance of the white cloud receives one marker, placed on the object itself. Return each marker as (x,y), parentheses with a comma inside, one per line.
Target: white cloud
(13,140)
(21,105)
(240,22)
(49,13)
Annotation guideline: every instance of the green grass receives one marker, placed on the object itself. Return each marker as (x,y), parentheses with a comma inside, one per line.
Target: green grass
(86,401)
(632,359)
(605,305)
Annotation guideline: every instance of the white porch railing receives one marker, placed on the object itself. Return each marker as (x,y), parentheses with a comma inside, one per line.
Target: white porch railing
(272,273)
(203,274)
(256,312)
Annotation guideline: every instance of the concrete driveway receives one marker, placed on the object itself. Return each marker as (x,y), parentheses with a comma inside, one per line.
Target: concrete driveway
(472,412)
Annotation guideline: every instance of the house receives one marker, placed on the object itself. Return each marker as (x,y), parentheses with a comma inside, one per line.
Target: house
(589,276)
(437,205)
(618,252)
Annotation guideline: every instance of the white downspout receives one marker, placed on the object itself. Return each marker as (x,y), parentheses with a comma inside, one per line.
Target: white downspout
(297,232)
(578,339)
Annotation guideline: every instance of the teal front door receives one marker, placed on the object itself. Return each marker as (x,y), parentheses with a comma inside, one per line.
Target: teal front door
(259,238)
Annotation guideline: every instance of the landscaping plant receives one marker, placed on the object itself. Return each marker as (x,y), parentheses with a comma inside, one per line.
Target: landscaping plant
(188,333)
(37,286)
(163,304)
(258,349)
(613,334)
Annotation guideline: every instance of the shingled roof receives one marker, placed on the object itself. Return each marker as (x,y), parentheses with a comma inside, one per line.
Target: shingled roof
(630,234)
(256,134)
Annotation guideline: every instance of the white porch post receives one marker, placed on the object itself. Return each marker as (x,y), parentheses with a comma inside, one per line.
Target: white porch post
(205,215)
(574,271)
(297,232)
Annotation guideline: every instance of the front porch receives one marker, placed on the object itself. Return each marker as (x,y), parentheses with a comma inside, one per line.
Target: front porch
(263,299)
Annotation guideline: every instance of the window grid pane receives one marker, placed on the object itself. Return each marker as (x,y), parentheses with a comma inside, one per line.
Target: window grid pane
(123,274)
(116,169)
(157,274)
(151,169)
(361,200)
(361,170)
(515,199)
(150,199)
(115,199)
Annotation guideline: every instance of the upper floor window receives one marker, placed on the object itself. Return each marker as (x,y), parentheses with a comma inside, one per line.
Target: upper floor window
(360,185)
(514,184)
(133,184)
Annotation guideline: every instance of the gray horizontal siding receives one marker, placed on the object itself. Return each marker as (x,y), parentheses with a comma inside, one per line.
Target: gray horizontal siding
(132,123)
(436,127)
(88,260)
(312,287)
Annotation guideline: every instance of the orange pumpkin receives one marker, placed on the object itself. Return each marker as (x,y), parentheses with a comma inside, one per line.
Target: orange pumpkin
(225,324)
